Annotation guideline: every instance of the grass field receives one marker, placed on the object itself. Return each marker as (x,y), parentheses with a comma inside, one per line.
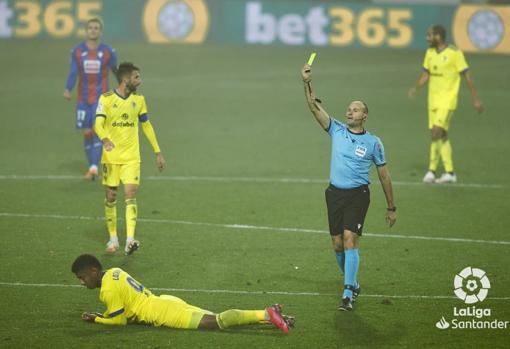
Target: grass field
(243,149)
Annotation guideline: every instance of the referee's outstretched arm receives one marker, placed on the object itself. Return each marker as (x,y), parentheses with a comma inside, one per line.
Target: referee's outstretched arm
(320,114)
(385,179)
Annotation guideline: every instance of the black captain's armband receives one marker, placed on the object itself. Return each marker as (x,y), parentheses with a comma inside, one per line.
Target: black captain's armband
(392,209)
(318,100)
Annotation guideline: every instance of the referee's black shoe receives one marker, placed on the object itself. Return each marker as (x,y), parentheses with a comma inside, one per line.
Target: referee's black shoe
(356,292)
(346,304)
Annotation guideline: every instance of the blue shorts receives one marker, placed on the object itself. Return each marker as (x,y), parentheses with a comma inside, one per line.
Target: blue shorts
(85,115)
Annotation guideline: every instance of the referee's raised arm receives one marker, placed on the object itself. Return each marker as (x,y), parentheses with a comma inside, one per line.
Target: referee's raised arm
(320,114)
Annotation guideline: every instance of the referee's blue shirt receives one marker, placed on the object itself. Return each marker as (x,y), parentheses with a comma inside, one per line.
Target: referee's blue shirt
(352,155)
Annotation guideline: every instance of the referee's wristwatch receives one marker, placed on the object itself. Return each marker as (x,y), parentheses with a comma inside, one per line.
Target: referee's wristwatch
(392,209)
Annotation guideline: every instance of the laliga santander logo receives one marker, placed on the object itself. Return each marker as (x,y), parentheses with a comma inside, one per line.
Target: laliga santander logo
(176,21)
(471,285)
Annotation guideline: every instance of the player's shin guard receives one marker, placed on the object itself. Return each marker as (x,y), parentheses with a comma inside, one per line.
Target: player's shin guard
(88,144)
(97,148)
(110,212)
(340,259)
(235,317)
(351,271)
(446,156)
(435,148)
(131,216)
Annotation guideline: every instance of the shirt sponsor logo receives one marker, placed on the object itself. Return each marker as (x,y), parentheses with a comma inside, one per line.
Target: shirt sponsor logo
(92,66)
(123,124)
(360,151)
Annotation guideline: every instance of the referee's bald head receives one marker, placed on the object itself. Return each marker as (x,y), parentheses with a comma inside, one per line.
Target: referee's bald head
(365,106)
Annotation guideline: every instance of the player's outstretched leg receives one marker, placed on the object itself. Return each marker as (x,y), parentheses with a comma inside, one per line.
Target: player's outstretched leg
(236,317)
(283,322)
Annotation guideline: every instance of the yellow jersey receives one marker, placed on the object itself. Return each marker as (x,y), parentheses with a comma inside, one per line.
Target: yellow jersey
(127,300)
(122,117)
(444,70)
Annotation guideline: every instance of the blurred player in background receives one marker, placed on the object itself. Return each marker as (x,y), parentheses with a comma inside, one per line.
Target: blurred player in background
(90,62)
(119,113)
(127,300)
(353,152)
(442,67)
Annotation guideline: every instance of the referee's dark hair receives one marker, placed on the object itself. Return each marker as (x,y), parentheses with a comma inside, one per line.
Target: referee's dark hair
(85,261)
(125,68)
(439,30)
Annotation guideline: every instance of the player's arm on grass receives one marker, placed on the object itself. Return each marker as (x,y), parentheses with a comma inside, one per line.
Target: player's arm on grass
(314,103)
(477,103)
(422,79)
(149,132)
(71,77)
(385,179)
(114,314)
(100,319)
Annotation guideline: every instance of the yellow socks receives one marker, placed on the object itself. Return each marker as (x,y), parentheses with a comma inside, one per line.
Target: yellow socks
(131,215)
(435,148)
(446,156)
(235,317)
(110,212)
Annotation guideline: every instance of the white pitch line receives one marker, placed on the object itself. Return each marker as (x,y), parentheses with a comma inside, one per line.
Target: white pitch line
(251,180)
(279,293)
(255,227)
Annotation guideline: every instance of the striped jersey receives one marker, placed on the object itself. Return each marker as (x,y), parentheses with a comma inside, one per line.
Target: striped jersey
(91,67)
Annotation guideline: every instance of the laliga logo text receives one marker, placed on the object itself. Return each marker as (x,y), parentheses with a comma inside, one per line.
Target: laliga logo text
(471,285)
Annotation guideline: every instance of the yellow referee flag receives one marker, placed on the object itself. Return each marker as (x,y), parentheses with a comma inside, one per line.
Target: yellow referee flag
(312,58)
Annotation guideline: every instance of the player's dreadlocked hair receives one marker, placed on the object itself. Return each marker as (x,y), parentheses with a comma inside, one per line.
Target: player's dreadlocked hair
(85,261)
(439,30)
(125,68)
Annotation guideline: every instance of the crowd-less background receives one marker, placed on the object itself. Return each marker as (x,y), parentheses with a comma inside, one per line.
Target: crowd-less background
(238,219)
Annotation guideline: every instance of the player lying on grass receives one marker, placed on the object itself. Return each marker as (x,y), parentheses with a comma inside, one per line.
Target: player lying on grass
(127,300)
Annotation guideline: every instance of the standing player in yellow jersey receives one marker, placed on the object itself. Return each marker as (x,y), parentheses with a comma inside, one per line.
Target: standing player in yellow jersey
(442,67)
(118,115)
(127,300)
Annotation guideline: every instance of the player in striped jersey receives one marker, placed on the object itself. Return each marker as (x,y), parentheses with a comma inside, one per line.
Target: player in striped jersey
(90,62)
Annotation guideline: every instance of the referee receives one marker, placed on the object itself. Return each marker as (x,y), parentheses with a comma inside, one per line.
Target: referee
(347,197)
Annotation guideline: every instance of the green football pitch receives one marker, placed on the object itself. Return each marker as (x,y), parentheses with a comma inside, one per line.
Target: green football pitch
(238,218)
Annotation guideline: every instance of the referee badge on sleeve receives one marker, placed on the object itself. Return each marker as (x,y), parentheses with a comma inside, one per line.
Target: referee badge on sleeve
(360,151)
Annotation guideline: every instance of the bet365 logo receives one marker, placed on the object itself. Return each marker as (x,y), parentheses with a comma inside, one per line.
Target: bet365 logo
(471,285)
